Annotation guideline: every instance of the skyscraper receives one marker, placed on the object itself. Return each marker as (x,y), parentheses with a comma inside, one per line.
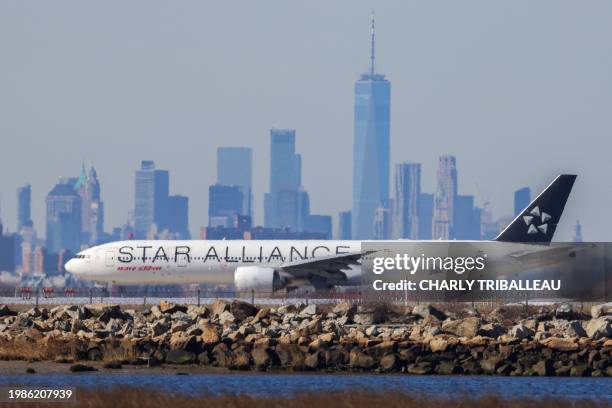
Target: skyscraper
(466,218)
(64,219)
(444,199)
(152,188)
(24,200)
(234,168)
(92,208)
(178,216)
(287,204)
(224,203)
(382,221)
(407,186)
(344,225)
(370,146)
(425,215)
(522,197)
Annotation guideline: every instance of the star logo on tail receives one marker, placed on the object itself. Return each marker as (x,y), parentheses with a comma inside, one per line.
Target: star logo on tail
(537,221)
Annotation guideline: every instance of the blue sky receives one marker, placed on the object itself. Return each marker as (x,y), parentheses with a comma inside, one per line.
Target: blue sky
(519,91)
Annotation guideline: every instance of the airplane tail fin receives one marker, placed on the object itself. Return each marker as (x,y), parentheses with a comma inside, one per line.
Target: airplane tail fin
(537,223)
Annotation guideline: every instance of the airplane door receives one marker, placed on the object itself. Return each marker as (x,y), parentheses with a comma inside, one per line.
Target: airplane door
(109,258)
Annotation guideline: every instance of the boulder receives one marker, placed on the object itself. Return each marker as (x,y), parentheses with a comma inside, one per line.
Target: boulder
(599,328)
(520,332)
(220,355)
(261,358)
(467,327)
(564,311)
(438,344)
(289,355)
(424,310)
(543,368)
(364,318)
(180,357)
(560,344)
(493,330)
(447,368)
(240,359)
(580,370)
(261,314)
(218,307)
(601,310)
(5,311)
(241,310)
(345,309)
(388,363)
(209,335)
(170,308)
(421,368)
(313,361)
(358,359)
(489,365)
(309,310)
(226,317)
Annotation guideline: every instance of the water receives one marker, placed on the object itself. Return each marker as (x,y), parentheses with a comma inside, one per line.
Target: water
(290,384)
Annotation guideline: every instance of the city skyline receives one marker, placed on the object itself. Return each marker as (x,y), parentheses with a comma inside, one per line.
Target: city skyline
(556,104)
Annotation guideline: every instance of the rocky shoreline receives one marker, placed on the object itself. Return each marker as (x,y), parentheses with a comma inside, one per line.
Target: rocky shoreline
(424,339)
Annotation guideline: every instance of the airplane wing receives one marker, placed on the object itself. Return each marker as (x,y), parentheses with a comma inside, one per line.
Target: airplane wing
(323,271)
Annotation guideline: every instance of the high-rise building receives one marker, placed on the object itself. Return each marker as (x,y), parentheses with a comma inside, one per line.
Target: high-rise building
(24,202)
(466,218)
(407,188)
(92,208)
(522,198)
(64,219)
(425,215)
(444,199)
(151,200)
(224,203)
(344,225)
(382,225)
(234,168)
(8,250)
(286,205)
(320,224)
(371,146)
(178,216)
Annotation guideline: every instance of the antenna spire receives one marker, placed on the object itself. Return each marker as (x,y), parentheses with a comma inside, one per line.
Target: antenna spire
(372,46)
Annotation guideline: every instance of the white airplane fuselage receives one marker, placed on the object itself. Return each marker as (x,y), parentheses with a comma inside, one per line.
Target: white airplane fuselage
(207,262)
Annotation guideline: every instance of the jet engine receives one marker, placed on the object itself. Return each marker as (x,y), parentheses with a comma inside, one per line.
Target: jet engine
(257,278)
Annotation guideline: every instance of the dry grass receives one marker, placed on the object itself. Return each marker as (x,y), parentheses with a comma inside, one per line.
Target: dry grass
(131,397)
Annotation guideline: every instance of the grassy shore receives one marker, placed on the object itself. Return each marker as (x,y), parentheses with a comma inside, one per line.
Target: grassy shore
(133,397)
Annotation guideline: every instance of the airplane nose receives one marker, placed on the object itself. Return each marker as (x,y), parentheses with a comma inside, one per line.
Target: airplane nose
(70,266)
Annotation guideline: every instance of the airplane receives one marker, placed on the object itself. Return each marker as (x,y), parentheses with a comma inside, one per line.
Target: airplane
(270,265)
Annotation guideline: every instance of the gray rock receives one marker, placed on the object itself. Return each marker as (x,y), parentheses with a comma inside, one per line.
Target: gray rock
(599,328)
(424,310)
(492,330)
(358,359)
(467,327)
(520,332)
(226,317)
(180,357)
(601,310)
(309,310)
(261,358)
(363,318)
(345,309)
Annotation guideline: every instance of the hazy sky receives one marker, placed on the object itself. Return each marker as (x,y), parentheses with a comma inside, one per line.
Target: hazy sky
(519,91)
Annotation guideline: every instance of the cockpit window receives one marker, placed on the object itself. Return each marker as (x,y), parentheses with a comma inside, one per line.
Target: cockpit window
(82,256)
